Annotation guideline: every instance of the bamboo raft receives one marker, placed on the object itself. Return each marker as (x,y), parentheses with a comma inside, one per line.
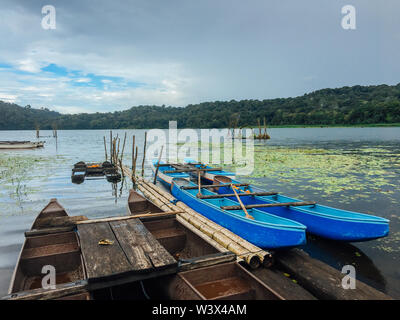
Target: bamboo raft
(225,239)
(82,171)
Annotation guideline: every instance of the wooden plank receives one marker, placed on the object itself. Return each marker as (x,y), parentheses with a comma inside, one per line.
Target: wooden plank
(131,246)
(267,205)
(101,260)
(210,186)
(159,257)
(216,196)
(41,232)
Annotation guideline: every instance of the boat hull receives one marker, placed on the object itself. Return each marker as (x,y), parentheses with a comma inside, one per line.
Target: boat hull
(326,222)
(21,145)
(258,234)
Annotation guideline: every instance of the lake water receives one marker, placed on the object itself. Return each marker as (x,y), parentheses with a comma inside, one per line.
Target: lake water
(356,169)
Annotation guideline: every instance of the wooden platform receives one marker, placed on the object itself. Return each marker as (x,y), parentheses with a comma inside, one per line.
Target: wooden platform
(133,253)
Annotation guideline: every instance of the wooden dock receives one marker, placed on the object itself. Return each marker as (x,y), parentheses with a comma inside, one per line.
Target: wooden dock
(129,253)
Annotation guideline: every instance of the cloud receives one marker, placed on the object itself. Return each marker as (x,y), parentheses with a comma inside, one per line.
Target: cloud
(113,55)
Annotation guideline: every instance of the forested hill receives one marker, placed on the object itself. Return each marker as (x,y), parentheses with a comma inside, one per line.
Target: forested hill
(347,106)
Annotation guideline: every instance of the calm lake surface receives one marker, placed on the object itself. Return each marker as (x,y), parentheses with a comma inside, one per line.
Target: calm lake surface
(355,169)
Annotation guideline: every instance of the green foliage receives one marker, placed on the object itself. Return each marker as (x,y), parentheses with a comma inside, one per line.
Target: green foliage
(345,106)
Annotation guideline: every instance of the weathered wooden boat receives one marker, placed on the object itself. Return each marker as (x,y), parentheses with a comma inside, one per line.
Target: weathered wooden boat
(185,243)
(263,230)
(324,221)
(21,144)
(205,272)
(226,281)
(44,246)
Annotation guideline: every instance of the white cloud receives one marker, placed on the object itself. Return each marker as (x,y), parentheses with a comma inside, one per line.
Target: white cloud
(8,97)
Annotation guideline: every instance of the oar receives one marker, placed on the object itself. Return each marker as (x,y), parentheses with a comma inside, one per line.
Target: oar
(241,203)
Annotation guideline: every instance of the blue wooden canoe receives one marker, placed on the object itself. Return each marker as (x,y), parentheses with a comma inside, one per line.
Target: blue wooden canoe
(320,220)
(265,231)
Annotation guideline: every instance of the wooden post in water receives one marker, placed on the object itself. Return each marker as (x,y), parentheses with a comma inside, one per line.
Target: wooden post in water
(144,152)
(134,163)
(111,148)
(158,165)
(123,147)
(37,130)
(133,160)
(105,146)
(119,140)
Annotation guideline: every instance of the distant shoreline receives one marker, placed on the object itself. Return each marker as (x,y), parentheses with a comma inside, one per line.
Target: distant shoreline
(294,126)
(370,125)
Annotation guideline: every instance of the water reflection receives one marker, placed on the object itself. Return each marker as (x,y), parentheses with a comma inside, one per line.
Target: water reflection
(338,254)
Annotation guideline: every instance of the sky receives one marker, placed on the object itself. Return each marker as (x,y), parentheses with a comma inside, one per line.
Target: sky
(111,55)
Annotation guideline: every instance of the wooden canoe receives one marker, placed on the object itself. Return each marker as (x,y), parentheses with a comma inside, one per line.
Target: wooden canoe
(21,144)
(327,222)
(227,281)
(265,230)
(205,272)
(53,247)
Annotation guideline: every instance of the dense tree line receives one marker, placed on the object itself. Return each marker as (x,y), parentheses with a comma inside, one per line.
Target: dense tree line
(347,106)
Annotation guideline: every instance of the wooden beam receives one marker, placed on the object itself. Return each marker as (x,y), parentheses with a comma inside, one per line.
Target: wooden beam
(267,205)
(109,219)
(52,222)
(210,186)
(216,196)
(192,170)
(47,294)
(40,232)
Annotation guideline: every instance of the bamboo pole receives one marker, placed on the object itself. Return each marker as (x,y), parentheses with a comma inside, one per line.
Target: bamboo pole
(158,165)
(134,167)
(116,157)
(133,158)
(105,147)
(111,148)
(144,152)
(123,147)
